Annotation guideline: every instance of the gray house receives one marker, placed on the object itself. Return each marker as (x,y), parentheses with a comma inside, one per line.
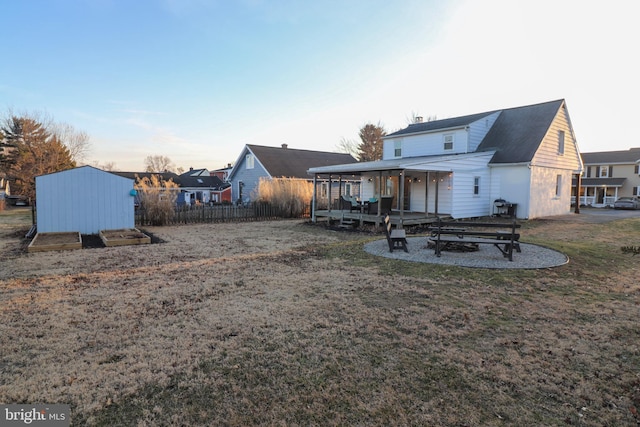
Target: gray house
(608,175)
(257,161)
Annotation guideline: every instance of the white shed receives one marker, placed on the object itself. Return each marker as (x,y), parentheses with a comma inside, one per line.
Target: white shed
(85,200)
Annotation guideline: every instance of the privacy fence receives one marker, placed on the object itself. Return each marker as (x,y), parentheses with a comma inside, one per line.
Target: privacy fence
(224,213)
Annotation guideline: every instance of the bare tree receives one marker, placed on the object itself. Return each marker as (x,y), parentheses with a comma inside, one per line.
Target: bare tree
(159,164)
(107,166)
(77,142)
(348,146)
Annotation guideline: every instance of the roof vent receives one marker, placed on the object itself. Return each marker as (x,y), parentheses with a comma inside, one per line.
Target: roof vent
(418,119)
(284,146)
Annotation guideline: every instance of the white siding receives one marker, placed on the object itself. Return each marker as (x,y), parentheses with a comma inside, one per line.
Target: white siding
(84,199)
(479,129)
(429,144)
(547,154)
(544,201)
(512,184)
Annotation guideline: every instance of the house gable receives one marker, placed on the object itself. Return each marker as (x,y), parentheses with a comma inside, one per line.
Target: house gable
(518,132)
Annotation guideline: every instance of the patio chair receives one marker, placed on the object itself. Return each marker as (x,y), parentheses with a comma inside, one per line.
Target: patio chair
(386,203)
(372,207)
(350,203)
(396,237)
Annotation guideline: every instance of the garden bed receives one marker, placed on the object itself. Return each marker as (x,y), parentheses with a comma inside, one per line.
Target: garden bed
(125,236)
(56,241)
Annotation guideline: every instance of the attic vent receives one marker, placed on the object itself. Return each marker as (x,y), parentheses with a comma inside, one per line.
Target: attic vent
(284,146)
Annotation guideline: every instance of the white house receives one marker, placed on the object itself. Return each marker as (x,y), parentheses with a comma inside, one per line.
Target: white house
(462,166)
(84,199)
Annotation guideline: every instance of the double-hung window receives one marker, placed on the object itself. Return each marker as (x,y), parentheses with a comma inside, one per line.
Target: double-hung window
(448,142)
(476,185)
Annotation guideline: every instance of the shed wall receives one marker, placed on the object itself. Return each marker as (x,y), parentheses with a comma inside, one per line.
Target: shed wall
(84,199)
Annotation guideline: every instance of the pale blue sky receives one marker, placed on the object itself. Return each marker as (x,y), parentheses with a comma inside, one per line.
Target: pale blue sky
(196,80)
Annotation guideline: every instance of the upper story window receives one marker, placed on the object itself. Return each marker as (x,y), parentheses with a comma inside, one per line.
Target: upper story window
(448,142)
(397,148)
(561,142)
(249,161)
(604,172)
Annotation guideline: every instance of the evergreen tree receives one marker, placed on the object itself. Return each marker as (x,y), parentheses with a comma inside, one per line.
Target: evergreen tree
(30,150)
(370,148)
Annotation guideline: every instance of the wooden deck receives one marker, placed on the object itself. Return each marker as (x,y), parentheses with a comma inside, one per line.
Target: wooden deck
(408,218)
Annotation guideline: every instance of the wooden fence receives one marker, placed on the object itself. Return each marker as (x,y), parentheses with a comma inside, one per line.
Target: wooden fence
(224,213)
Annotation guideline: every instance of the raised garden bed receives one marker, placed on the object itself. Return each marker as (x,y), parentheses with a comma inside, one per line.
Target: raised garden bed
(55,241)
(125,236)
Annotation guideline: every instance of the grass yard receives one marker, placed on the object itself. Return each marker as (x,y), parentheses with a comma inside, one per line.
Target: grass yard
(284,323)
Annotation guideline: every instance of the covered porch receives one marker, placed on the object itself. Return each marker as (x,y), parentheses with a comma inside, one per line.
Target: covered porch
(419,195)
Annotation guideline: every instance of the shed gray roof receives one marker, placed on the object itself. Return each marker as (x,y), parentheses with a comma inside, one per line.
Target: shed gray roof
(292,163)
(631,155)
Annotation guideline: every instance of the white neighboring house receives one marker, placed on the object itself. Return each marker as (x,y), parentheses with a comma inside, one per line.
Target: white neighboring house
(84,199)
(461,166)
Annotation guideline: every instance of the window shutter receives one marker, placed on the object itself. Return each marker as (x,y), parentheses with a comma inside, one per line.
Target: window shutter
(610,171)
(597,171)
(635,190)
(588,171)
(635,169)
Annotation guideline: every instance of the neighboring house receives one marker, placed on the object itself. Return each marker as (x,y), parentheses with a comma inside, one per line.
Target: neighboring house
(199,186)
(608,175)
(461,166)
(85,199)
(223,173)
(256,161)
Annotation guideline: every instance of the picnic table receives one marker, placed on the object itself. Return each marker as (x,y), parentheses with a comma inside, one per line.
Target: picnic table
(499,234)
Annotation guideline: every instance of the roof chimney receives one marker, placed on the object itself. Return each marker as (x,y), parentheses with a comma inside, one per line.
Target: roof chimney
(284,146)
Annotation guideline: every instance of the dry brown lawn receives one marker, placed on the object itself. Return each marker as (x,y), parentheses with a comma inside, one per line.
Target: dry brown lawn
(284,323)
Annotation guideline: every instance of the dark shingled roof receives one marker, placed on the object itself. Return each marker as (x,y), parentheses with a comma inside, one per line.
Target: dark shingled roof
(631,155)
(516,135)
(518,132)
(453,122)
(291,163)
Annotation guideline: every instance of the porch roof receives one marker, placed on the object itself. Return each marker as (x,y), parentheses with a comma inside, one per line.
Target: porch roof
(600,182)
(422,163)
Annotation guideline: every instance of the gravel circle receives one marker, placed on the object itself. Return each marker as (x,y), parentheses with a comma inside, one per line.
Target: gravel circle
(531,257)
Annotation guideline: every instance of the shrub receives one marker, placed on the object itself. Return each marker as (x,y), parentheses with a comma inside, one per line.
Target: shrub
(290,195)
(157,198)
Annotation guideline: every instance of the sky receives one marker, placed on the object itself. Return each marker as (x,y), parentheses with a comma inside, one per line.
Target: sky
(196,80)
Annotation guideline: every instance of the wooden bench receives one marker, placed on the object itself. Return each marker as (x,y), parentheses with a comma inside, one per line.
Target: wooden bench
(396,237)
(500,234)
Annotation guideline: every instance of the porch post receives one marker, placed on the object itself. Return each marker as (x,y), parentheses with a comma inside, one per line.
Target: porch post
(437,191)
(314,200)
(426,193)
(402,178)
(329,195)
(380,193)
(578,185)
